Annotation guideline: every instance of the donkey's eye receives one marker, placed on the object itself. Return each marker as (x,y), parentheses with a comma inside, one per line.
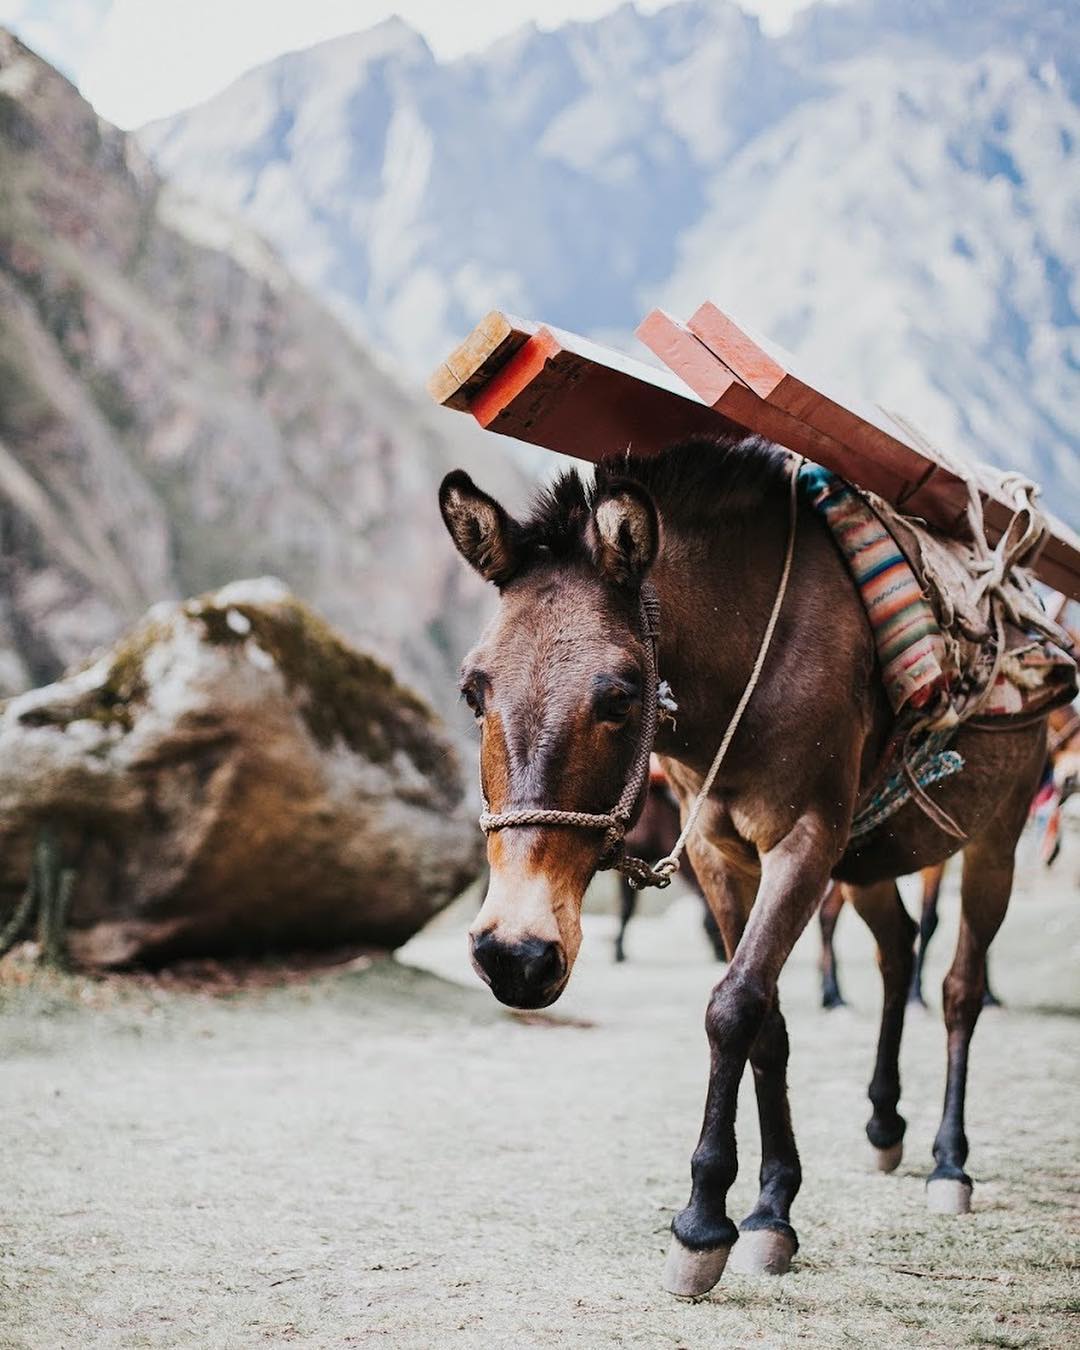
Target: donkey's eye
(474,697)
(614,706)
(614,696)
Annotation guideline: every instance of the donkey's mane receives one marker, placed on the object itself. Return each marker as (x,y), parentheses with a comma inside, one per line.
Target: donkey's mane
(692,480)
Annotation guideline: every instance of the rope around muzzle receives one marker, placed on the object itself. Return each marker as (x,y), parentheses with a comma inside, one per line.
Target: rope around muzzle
(615,822)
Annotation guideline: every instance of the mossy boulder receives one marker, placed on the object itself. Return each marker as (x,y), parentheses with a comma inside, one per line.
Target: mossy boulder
(233,777)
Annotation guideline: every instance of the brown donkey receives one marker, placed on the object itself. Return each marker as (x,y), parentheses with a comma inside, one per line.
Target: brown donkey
(558,682)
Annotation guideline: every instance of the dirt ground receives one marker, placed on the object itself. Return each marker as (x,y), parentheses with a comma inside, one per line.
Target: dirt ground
(384,1157)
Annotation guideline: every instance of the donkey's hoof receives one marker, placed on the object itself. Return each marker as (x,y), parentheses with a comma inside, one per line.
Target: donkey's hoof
(762,1251)
(889,1159)
(688,1274)
(945,1195)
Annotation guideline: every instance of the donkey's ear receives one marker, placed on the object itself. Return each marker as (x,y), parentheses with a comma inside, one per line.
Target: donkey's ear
(623,533)
(482,532)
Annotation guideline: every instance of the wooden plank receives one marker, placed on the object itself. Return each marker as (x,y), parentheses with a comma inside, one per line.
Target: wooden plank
(567,394)
(473,362)
(1059,563)
(936,484)
(1061,552)
(903,471)
(562,392)
(527,371)
(718,386)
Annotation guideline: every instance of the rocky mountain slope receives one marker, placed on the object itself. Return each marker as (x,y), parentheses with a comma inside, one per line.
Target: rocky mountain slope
(891,190)
(176,412)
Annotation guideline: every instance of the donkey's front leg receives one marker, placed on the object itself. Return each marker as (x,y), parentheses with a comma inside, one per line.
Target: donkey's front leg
(793,876)
(767,1241)
(984,892)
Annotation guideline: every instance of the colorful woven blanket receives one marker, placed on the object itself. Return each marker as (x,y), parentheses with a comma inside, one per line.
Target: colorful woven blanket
(919,668)
(922,671)
(910,647)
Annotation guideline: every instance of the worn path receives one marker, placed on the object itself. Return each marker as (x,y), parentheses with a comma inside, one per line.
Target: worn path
(385,1157)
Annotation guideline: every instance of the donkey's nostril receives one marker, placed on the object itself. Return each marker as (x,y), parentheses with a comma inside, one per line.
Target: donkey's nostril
(486,951)
(523,974)
(542,963)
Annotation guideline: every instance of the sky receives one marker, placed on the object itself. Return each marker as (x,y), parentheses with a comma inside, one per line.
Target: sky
(140,59)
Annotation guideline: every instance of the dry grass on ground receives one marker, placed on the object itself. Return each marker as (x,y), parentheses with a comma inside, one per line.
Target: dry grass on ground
(385,1157)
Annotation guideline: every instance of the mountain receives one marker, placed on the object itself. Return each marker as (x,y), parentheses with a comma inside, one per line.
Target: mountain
(891,190)
(176,412)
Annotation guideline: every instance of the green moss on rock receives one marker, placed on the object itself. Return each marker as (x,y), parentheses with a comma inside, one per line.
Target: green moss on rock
(125,685)
(343,693)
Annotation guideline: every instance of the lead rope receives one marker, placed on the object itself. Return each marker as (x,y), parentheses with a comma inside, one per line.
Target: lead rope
(661,872)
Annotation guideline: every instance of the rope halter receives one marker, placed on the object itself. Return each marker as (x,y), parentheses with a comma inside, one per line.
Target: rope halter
(615,822)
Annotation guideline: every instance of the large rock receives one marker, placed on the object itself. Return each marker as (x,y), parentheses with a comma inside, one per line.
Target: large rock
(233,777)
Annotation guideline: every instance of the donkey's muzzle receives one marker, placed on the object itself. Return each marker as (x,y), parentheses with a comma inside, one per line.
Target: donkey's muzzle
(526,974)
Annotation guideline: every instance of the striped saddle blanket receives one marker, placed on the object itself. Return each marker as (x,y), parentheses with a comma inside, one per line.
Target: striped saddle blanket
(919,668)
(918,665)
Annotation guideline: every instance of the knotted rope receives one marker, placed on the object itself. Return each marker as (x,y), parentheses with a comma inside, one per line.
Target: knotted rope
(1003,592)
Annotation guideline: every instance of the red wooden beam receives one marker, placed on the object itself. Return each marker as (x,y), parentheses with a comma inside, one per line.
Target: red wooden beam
(473,362)
(877,456)
(567,394)
(938,488)
(562,392)
(718,386)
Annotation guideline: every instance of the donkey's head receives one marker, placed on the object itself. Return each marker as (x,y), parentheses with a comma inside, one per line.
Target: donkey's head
(556,683)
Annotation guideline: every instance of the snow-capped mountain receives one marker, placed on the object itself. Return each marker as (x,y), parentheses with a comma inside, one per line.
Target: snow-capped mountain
(892,190)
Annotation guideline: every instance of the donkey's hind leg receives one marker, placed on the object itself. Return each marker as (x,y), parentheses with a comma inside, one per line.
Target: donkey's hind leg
(828,913)
(883,911)
(931,878)
(628,899)
(984,892)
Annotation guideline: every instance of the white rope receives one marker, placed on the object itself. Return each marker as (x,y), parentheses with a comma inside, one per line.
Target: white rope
(670,864)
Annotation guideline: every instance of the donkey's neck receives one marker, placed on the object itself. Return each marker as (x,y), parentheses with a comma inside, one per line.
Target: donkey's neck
(716,587)
(819,701)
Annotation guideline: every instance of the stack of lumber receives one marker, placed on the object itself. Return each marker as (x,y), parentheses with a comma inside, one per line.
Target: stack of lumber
(560,391)
(566,393)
